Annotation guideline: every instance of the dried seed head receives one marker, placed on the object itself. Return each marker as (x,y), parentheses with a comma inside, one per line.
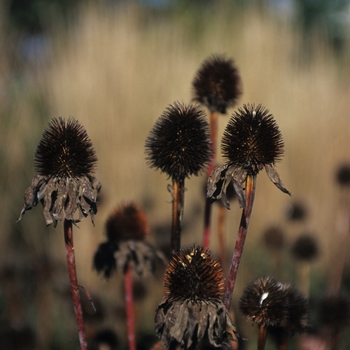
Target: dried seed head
(296,212)
(194,274)
(127,222)
(305,247)
(343,175)
(65,150)
(334,311)
(273,238)
(217,84)
(263,302)
(191,309)
(252,139)
(64,159)
(179,143)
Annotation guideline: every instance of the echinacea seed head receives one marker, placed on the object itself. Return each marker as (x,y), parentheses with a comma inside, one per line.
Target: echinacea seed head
(252,139)
(263,302)
(217,84)
(127,222)
(179,143)
(305,247)
(343,175)
(65,150)
(194,274)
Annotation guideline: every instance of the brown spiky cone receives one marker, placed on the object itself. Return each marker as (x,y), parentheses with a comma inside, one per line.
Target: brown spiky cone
(65,160)
(192,309)
(251,142)
(179,145)
(276,308)
(217,85)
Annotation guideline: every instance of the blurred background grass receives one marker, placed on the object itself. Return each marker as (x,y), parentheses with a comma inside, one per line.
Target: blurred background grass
(115,67)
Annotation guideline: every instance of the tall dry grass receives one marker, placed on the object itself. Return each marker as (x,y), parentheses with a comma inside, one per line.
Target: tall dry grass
(116,70)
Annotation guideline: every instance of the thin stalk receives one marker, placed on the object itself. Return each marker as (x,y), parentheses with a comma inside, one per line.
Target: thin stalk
(262,337)
(213,119)
(221,237)
(129,307)
(68,239)
(178,209)
(241,236)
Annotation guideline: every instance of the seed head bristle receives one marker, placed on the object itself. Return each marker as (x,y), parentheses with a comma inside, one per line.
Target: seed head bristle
(65,150)
(217,84)
(179,143)
(127,222)
(194,274)
(252,139)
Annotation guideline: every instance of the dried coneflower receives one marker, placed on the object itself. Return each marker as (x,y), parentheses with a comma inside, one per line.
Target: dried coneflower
(179,145)
(334,316)
(192,306)
(296,211)
(273,305)
(126,250)
(65,160)
(217,85)
(251,142)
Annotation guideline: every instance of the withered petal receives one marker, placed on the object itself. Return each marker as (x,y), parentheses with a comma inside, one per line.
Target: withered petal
(32,194)
(179,328)
(274,177)
(217,175)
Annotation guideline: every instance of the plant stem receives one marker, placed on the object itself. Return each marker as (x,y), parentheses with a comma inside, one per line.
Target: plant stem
(68,239)
(221,237)
(178,209)
(262,337)
(241,236)
(207,212)
(129,307)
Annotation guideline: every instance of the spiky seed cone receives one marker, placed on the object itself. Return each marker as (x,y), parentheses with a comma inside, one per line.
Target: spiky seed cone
(127,222)
(263,302)
(252,139)
(194,274)
(343,175)
(65,150)
(305,248)
(179,143)
(217,84)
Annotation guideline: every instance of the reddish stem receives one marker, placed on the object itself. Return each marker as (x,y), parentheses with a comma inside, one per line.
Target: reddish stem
(68,239)
(241,236)
(262,337)
(129,307)
(207,212)
(178,208)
